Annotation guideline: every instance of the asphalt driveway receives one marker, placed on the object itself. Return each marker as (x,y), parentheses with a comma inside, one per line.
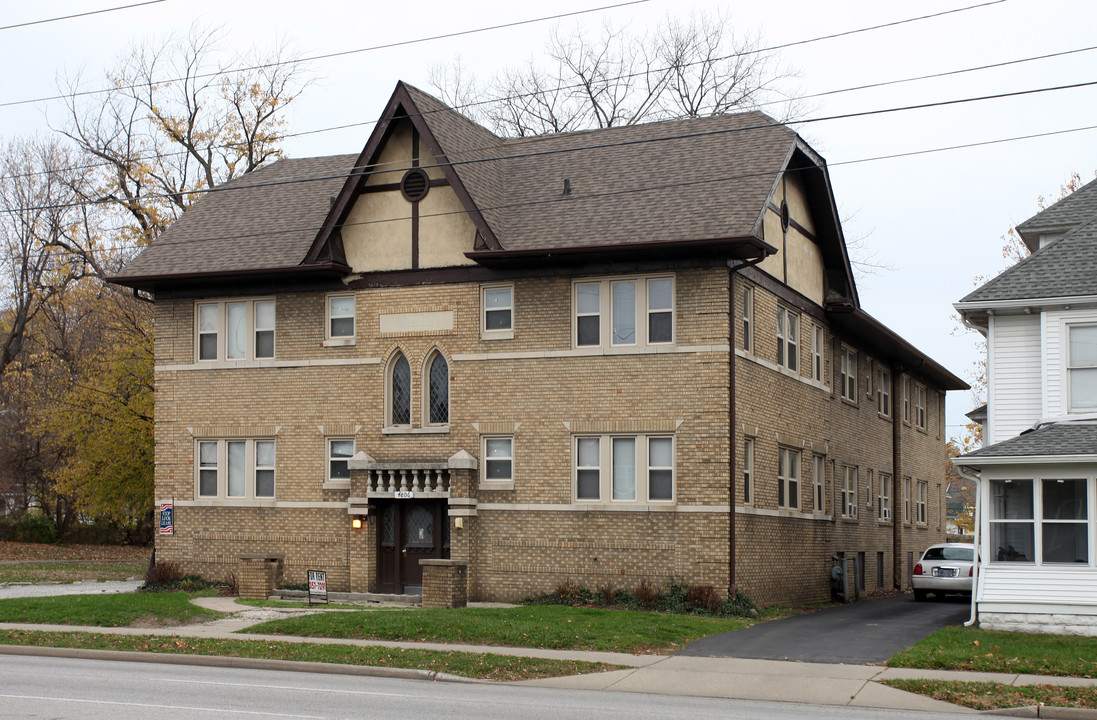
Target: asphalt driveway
(865,632)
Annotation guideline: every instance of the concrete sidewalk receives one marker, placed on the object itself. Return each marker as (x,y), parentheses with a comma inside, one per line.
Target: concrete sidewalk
(732,678)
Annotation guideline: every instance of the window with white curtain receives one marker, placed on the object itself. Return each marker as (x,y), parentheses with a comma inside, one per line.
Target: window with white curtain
(622,469)
(235,330)
(235,469)
(624,312)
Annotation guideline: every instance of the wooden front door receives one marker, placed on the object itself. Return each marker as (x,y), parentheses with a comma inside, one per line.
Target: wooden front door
(409,531)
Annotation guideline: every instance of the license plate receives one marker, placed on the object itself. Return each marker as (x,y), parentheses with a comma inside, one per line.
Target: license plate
(945,572)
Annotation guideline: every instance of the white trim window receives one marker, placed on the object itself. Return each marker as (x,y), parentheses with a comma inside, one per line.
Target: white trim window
(748,471)
(848,377)
(849,491)
(883,392)
(906,500)
(235,330)
(748,318)
(234,469)
(788,339)
(497,315)
(398,392)
(1043,521)
(1082,368)
(788,478)
(498,454)
(905,385)
(340,451)
(818,482)
(340,328)
(817,345)
(883,498)
(624,468)
(626,312)
(920,406)
(921,502)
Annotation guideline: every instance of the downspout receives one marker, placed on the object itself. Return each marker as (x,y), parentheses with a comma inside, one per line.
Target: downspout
(896,481)
(734,270)
(978,557)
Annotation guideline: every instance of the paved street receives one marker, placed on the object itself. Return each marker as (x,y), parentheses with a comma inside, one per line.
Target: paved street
(866,632)
(95,690)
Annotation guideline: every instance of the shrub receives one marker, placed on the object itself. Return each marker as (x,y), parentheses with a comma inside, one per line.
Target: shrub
(34,528)
(677,597)
(702,597)
(163,574)
(739,606)
(231,586)
(647,595)
(606,595)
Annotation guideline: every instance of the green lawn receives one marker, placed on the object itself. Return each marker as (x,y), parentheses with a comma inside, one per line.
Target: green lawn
(994,696)
(473,665)
(540,626)
(71,571)
(119,610)
(960,648)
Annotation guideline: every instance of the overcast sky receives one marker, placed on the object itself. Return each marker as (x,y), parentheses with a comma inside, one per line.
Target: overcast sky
(932,222)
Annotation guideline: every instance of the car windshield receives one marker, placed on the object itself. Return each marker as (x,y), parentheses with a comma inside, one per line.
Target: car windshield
(949,553)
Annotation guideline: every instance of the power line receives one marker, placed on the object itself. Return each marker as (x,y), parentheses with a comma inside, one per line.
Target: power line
(625,191)
(83,14)
(262,66)
(626,76)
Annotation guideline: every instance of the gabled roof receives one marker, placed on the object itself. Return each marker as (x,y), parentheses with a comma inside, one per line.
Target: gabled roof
(679,181)
(1053,443)
(1073,210)
(1061,269)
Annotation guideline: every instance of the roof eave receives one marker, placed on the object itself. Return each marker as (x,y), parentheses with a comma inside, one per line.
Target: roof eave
(149,283)
(1000,460)
(737,248)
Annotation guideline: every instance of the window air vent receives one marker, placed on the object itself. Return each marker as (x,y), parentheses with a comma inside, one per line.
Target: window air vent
(415,184)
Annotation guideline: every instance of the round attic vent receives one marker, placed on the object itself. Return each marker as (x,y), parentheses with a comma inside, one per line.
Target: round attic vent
(415,184)
(784,216)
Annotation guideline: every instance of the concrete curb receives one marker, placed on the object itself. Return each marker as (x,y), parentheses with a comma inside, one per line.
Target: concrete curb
(1046,711)
(235,662)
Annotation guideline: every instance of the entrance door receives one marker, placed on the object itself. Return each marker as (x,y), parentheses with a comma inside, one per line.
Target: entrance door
(410,531)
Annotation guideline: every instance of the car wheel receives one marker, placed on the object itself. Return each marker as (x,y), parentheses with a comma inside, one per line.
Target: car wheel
(920,595)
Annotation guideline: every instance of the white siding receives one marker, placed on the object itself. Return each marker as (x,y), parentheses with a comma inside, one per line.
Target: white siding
(1014,368)
(1038,585)
(1055,342)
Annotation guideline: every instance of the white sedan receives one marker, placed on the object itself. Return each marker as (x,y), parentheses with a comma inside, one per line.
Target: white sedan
(945,568)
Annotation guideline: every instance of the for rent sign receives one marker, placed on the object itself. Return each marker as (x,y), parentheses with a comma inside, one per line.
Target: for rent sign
(318,586)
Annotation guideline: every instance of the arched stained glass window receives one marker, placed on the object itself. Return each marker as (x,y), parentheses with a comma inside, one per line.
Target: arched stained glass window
(400,391)
(438,394)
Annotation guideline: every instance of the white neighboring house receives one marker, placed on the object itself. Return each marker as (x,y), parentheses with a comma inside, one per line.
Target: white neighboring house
(1037,471)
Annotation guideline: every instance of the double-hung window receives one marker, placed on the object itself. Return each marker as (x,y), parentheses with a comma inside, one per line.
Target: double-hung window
(497,317)
(626,312)
(1082,367)
(883,498)
(818,482)
(632,468)
(788,478)
(498,460)
(848,375)
(748,318)
(906,500)
(340,451)
(788,339)
(235,469)
(920,406)
(849,491)
(921,502)
(748,471)
(235,330)
(1044,520)
(817,340)
(341,319)
(883,392)
(906,399)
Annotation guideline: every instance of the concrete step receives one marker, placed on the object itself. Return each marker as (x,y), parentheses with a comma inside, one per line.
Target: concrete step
(349,597)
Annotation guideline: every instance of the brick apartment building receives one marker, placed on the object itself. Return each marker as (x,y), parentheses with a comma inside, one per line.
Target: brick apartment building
(606,356)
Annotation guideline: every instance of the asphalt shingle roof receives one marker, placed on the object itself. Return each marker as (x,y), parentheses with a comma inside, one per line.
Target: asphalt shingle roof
(1074,209)
(1067,438)
(696,179)
(1066,267)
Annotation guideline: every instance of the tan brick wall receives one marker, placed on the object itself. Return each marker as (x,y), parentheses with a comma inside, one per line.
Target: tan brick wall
(519,551)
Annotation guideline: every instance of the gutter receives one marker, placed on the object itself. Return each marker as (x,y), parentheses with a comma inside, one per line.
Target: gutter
(978,556)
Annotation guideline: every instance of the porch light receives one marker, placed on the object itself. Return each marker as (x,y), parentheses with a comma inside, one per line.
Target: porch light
(356,522)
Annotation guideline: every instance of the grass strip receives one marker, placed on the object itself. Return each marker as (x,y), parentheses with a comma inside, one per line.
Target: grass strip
(540,626)
(113,610)
(484,666)
(996,696)
(304,605)
(960,648)
(70,571)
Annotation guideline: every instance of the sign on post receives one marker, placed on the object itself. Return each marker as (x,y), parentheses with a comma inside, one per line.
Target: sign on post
(167,518)
(318,586)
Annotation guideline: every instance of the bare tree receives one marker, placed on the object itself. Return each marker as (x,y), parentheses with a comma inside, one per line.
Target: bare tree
(177,122)
(692,68)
